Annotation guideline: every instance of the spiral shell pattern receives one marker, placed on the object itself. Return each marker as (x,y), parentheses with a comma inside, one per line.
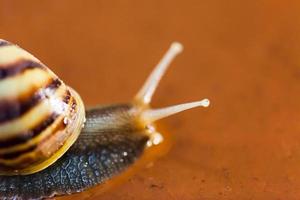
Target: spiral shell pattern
(40,117)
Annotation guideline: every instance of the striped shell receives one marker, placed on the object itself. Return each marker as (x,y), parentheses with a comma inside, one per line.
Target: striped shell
(40,117)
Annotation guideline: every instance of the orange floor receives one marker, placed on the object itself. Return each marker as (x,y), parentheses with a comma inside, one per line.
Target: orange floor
(242,55)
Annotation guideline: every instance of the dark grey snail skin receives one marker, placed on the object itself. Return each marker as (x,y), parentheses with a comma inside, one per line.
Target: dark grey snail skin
(111,141)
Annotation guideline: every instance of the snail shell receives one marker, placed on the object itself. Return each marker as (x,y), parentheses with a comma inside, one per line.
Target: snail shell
(40,117)
(44,151)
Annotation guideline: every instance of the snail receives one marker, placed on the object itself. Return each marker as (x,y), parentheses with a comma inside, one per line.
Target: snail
(50,145)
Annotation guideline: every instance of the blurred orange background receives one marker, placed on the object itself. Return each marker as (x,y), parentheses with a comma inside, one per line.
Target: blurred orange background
(243,55)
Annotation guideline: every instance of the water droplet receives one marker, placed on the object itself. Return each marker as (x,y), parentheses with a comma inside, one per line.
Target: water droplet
(66,121)
(149,143)
(157,139)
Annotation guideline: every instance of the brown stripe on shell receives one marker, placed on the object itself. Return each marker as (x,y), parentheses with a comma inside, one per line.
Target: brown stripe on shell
(4,43)
(13,109)
(13,155)
(27,160)
(26,136)
(12,69)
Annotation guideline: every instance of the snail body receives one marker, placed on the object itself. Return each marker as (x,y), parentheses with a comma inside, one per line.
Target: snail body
(50,145)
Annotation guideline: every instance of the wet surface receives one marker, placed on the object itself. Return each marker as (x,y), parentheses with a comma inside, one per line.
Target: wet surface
(243,55)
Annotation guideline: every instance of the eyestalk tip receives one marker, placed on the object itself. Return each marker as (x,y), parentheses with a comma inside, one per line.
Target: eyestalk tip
(177,47)
(205,102)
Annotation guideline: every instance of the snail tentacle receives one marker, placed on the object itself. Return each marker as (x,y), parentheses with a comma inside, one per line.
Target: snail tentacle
(145,94)
(152,115)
